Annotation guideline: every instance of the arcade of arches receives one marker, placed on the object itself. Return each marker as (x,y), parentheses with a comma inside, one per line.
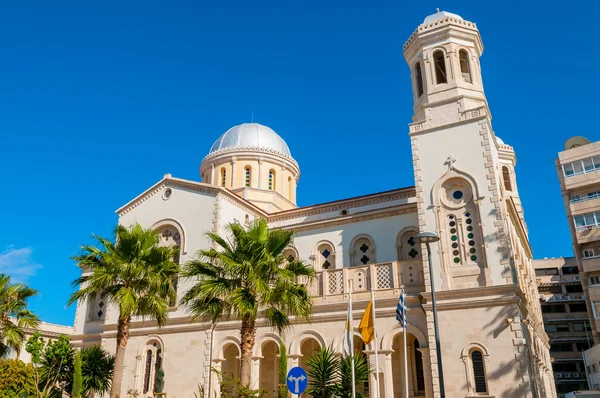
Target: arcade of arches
(265,364)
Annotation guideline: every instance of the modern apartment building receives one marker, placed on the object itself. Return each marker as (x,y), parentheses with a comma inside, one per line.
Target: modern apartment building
(578,169)
(565,320)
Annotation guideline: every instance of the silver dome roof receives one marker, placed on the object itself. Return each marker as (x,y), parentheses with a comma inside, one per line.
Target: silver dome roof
(441,15)
(251,135)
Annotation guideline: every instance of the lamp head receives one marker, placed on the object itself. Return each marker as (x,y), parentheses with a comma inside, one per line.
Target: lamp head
(427,237)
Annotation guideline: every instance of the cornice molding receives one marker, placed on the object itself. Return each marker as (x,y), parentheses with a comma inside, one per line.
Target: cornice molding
(254,149)
(372,214)
(344,204)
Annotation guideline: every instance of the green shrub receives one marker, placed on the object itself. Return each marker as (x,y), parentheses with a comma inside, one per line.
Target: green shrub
(16,379)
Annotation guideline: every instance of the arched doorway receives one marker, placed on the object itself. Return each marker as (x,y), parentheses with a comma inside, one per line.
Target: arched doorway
(416,381)
(269,368)
(231,365)
(308,347)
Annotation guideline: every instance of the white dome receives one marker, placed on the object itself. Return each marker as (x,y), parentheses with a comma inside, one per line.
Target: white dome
(251,135)
(441,15)
(500,140)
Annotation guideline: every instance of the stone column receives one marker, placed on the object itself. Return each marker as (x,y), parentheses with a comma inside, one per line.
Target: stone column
(214,388)
(233,171)
(294,185)
(388,375)
(260,173)
(427,371)
(255,373)
(212,174)
(281,186)
(293,360)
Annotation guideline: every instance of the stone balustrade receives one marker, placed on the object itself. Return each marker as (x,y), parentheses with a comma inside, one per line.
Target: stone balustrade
(335,283)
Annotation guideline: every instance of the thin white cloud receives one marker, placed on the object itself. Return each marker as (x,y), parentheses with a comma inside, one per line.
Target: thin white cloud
(18,263)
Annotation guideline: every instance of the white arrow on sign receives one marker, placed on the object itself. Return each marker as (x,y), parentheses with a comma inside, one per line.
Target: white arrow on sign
(296,380)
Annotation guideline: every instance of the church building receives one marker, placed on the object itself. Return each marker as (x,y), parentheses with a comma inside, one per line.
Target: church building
(493,342)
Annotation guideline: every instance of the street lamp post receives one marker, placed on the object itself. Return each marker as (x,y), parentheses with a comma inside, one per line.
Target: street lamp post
(427,238)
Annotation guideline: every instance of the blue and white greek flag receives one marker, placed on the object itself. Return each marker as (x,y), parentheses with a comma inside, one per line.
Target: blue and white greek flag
(401,309)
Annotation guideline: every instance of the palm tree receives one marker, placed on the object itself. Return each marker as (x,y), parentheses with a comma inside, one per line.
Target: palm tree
(246,277)
(96,370)
(134,274)
(14,315)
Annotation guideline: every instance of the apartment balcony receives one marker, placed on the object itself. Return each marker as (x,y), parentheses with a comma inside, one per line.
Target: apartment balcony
(582,180)
(561,298)
(385,278)
(557,279)
(570,376)
(585,204)
(567,356)
(594,292)
(591,264)
(569,336)
(565,316)
(590,233)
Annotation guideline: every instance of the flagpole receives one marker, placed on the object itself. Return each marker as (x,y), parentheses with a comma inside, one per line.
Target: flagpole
(375,341)
(405,349)
(351,342)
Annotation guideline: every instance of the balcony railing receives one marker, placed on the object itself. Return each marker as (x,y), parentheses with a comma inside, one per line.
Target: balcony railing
(565,297)
(381,276)
(583,198)
(570,375)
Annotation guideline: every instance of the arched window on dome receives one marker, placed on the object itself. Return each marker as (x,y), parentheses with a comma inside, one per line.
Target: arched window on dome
(439,63)
(248,175)
(419,79)
(465,68)
(290,188)
(506,178)
(271,180)
(223,176)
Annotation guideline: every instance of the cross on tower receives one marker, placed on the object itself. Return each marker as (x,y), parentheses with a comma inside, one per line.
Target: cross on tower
(450,162)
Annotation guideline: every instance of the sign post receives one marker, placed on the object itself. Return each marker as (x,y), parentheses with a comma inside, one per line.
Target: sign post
(297,380)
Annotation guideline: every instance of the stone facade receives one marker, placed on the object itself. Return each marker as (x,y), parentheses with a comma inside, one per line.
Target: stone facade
(493,343)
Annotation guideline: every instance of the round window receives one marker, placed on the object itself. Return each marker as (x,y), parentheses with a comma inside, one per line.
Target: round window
(167,194)
(457,195)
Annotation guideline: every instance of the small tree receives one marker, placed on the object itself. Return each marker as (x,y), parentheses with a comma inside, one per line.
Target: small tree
(50,362)
(77,377)
(283,390)
(16,379)
(159,381)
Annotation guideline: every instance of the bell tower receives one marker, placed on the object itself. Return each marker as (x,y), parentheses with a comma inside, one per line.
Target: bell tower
(443,55)
(464,179)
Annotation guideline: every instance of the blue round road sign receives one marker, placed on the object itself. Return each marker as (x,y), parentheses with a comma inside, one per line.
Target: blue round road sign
(297,380)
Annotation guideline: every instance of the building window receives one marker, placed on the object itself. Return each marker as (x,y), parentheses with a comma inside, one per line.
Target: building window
(326,256)
(587,253)
(419,367)
(582,346)
(595,280)
(439,63)
(271,180)
(223,176)
(506,178)
(248,171)
(362,251)
(465,69)
(147,371)
(290,188)
(581,166)
(419,79)
(478,371)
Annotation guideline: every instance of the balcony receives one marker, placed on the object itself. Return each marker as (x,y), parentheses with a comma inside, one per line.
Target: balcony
(558,279)
(561,298)
(569,336)
(331,285)
(573,376)
(581,180)
(591,264)
(567,356)
(585,204)
(594,292)
(590,233)
(565,316)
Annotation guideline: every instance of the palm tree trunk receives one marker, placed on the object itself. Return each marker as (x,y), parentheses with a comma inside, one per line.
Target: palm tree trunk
(247,334)
(122,338)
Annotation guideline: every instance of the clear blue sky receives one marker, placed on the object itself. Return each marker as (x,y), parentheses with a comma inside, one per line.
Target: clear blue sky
(99,99)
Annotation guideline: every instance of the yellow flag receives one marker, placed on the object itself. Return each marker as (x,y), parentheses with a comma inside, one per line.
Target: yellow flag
(366,327)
